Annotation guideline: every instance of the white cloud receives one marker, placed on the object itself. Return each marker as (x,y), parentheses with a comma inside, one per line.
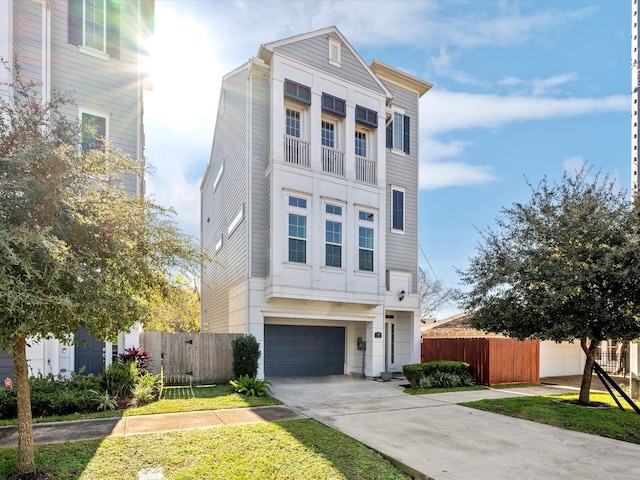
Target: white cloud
(453,174)
(573,164)
(547,85)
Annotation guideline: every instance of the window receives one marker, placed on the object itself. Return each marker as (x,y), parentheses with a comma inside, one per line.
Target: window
(216,182)
(397,209)
(94,131)
(334,51)
(361,143)
(366,116)
(293,123)
(95,24)
(398,132)
(297,91)
(328,134)
(297,229)
(333,235)
(366,224)
(334,105)
(236,221)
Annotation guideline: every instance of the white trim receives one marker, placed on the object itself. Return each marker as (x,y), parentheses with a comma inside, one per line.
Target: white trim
(335,51)
(336,218)
(236,221)
(92,52)
(218,245)
(216,182)
(95,113)
(104,28)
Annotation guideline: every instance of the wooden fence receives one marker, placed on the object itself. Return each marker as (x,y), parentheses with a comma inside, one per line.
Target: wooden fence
(185,358)
(493,361)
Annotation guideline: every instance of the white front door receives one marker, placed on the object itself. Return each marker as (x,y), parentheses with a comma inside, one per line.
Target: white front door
(390,347)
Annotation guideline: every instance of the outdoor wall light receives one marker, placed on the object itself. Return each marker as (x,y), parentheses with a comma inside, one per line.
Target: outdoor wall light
(402,294)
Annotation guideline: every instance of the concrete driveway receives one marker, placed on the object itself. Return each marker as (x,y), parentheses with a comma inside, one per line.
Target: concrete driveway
(434,438)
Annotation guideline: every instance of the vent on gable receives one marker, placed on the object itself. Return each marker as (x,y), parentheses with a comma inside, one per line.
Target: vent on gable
(297,91)
(367,116)
(334,105)
(335,50)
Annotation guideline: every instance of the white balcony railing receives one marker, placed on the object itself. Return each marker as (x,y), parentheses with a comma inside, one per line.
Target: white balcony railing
(332,161)
(296,151)
(366,170)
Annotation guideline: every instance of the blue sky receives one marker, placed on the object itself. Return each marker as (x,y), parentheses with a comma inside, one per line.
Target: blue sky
(521,89)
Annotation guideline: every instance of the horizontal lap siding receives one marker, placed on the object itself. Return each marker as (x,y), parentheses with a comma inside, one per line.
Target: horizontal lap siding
(403,171)
(28,39)
(315,52)
(229,267)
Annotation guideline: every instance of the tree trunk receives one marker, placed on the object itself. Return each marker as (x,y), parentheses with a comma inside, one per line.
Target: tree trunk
(589,347)
(26,460)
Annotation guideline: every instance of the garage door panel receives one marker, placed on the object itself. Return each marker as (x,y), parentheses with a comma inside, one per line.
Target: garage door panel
(297,350)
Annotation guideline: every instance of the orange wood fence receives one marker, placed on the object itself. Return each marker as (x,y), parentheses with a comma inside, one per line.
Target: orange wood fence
(493,361)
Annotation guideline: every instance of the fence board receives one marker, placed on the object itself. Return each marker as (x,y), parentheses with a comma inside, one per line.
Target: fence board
(200,358)
(493,361)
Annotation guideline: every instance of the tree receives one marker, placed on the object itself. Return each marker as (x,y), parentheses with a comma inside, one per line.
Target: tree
(75,249)
(565,266)
(433,295)
(178,310)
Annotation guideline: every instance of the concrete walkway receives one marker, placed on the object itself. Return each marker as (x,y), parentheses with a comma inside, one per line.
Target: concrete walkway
(434,438)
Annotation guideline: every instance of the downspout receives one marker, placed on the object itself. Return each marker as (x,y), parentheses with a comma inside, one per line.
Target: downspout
(46,51)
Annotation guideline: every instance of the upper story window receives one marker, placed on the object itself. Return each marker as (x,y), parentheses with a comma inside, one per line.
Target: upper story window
(333,235)
(328,134)
(397,209)
(361,143)
(297,229)
(297,91)
(334,105)
(95,25)
(335,51)
(95,129)
(293,123)
(366,230)
(398,131)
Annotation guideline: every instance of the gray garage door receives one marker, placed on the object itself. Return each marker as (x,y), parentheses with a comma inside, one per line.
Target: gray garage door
(6,367)
(295,350)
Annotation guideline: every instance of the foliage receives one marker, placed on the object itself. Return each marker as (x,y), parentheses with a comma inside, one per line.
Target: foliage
(251,386)
(563,266)
(8,403)
(76,250)
(177,310)
(119,378)
(433,295)
(137,356)
(104,400)
(437,374)
(146,389)
(246,353)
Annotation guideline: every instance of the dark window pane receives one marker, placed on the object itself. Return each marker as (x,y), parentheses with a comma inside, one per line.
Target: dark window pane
(334,255)
(297,250)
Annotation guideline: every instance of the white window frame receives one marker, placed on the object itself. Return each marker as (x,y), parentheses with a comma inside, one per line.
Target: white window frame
(335,52)
(397,113)
(218,245)
(336,218)
(334,124)
(299,111)
(367,134)
(237,220)
(216,182)
(85,20)
(94,113)
(370,224)
(396,188)
(303,212)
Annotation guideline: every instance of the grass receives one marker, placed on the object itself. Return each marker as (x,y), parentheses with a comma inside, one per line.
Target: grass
(291,449)
(174,399)
(611,423)
(426,391)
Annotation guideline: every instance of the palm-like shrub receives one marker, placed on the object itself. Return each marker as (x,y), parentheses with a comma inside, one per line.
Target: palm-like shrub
(251,386)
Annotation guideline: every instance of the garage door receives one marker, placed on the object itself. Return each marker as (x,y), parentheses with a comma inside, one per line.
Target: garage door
(295,350)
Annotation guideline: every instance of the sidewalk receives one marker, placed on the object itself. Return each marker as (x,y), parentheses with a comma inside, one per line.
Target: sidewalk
(59,432)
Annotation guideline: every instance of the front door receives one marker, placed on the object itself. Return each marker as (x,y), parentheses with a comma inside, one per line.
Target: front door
(390,347)
(89,353)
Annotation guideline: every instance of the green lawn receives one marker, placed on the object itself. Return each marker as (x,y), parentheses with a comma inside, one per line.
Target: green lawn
(612,423)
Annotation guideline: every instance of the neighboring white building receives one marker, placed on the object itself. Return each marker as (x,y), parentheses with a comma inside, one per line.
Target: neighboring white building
(94,50)
(310,209)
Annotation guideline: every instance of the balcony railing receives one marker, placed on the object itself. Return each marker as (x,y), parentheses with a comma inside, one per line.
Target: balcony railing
(366,170)
(332,161)
(296,151)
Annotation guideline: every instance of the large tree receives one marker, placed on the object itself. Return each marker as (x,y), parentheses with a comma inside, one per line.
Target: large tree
(564,266)
(75,249)
(177,309)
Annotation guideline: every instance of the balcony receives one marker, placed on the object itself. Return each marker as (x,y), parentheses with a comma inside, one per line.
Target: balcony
(332,161)
(366,170)
(296,151)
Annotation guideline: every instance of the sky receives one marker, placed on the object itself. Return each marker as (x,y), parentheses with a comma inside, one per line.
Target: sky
(521,90)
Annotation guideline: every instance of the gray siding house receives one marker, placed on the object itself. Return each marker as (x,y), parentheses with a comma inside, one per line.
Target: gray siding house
(309,209)
(94,50)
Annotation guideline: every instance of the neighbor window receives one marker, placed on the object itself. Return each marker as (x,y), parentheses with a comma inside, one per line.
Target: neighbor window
(94,131)
(297,229)
(333,235)
(397,209)
(95,24)
(328,134)
(361,143)
(398,132)
(366,229)
(293,123)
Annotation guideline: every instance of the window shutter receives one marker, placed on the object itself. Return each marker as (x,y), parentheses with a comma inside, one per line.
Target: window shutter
(113,28)
(74,22)
(407,135)
(297,91)
(366,116)
(390,131)
(334,104)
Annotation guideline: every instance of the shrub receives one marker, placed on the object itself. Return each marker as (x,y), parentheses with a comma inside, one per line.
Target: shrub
(147,389)
(65,401)
(246,353)
(442,380)
(437,374)
(137,356)
(413,373)
(118,378)
(449,366)
(251,386)
(8,403)
(104,401)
